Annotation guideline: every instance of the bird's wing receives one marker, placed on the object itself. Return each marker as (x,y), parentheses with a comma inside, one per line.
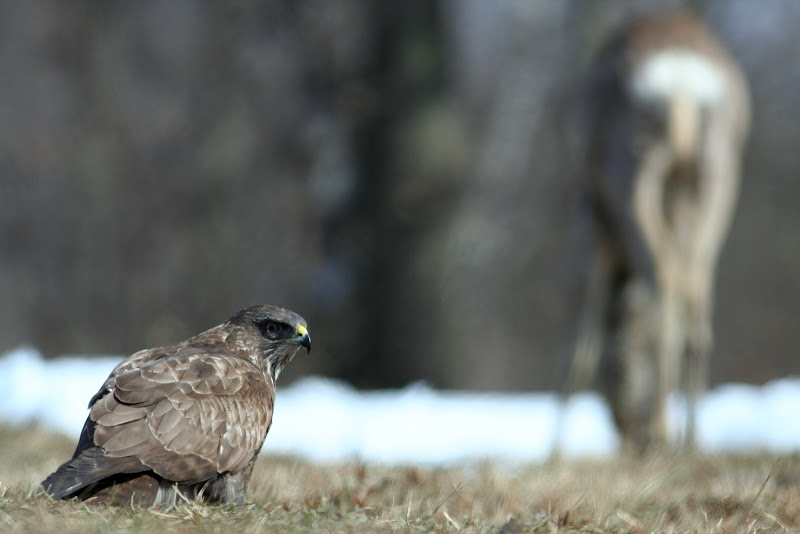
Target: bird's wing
(187,416)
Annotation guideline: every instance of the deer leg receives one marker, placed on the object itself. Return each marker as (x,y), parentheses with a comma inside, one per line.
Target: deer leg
(634,394)
(670,348)
(717,198)
(591,327)
(699,351)
(648,208)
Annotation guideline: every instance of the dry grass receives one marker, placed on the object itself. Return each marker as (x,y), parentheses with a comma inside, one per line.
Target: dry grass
(708,494)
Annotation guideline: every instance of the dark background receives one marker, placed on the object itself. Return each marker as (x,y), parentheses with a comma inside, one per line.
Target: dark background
(398,172)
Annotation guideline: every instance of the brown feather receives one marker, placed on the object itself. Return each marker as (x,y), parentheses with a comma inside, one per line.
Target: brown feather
(183,420)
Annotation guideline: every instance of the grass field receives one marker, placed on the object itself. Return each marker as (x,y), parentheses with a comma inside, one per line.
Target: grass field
(658,493)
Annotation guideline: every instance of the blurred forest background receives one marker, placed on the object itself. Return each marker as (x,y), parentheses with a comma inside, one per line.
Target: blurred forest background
(398,172)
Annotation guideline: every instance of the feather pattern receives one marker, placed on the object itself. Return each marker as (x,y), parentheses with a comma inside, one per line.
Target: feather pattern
(191,417)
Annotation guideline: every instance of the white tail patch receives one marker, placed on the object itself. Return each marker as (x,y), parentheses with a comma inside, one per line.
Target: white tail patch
(678,71)
(686,82)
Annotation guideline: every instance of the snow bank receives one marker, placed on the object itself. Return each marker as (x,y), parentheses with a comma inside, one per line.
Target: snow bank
(324,420)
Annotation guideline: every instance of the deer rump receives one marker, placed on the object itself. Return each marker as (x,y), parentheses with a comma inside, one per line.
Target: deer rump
(666,114)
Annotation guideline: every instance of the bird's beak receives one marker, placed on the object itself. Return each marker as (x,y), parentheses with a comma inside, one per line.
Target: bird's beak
(303,338)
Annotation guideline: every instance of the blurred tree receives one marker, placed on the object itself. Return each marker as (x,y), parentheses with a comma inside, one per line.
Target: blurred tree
(393,171)
(411,149)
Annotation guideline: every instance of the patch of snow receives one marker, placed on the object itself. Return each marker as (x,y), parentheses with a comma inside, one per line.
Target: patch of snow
(326,420)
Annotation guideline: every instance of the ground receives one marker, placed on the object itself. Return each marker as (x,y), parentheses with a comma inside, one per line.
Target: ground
(656,493)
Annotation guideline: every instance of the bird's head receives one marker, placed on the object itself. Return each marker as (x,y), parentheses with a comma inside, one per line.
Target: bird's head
(278,334)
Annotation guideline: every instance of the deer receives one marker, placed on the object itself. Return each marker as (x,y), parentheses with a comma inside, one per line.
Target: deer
(665,115)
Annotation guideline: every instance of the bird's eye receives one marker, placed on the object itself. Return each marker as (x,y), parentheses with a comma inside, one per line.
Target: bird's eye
(270,328)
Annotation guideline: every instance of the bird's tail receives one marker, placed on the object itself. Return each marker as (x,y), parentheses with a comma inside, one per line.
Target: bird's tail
(85,469)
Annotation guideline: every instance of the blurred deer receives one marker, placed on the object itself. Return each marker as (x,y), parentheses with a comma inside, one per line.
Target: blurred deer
(666,115)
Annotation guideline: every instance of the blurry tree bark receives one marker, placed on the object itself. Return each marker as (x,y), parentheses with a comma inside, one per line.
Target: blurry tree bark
(409,150)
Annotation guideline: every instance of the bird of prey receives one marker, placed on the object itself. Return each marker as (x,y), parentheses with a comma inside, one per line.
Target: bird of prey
(185,422)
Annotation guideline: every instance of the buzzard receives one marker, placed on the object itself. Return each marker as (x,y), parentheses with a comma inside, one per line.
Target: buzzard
(184,422)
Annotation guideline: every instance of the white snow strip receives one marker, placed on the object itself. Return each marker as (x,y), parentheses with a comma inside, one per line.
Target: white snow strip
(327,420)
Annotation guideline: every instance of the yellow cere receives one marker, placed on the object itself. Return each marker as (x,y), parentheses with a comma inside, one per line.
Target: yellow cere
(302,330)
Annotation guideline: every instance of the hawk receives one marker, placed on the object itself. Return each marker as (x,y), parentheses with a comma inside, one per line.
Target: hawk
(184,422)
